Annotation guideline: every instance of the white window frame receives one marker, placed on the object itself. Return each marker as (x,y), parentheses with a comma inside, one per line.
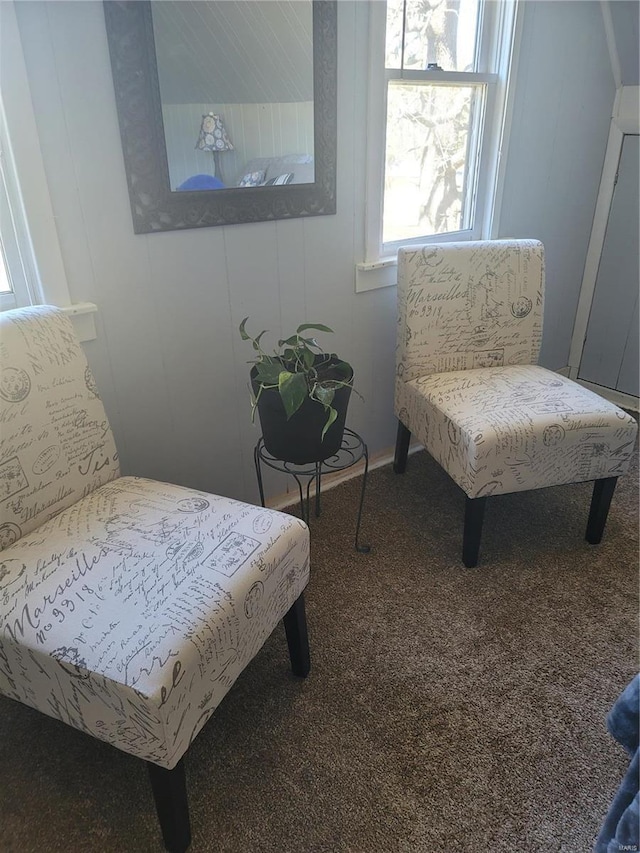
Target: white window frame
(499,32)
(29,233)
(16,246)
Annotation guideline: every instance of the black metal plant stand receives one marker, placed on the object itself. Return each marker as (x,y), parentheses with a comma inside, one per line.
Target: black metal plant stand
(353,449)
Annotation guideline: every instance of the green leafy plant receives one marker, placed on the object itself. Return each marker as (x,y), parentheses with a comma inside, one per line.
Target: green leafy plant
(299,369)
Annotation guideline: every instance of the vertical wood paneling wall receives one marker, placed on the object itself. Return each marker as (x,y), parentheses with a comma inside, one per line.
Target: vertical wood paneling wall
(255,130)
(168,359)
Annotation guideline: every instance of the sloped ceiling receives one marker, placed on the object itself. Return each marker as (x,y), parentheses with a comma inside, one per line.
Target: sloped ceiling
(624,14)
(234,51)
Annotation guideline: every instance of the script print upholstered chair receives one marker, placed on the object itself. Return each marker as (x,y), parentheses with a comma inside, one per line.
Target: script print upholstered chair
(128,607)
(468,387)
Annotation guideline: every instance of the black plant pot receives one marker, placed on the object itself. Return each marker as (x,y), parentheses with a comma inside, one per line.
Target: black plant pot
(298,439)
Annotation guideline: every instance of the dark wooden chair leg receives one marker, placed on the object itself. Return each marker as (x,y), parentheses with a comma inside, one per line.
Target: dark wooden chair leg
(170,795)
(403,438)
(600,502)
(473,518)
(295,626)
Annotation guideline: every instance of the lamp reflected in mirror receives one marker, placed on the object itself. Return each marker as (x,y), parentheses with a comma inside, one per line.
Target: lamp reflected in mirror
(213,137)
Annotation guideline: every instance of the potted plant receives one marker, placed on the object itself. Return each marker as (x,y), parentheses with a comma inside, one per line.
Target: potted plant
(301,394)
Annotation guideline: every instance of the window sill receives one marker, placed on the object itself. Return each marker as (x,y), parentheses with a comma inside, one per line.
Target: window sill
(82,316)
(372,275)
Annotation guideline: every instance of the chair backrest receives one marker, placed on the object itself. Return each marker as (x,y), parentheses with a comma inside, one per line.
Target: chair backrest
(466,305)
(56,444)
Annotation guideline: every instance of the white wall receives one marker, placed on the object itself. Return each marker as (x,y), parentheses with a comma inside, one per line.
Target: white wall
(564,100)
(168,360)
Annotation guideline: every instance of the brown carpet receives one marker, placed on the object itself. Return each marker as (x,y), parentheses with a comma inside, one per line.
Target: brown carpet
(447,709)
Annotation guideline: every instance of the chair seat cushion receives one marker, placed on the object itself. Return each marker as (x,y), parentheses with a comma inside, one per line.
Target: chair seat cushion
(130,614)
(506,429)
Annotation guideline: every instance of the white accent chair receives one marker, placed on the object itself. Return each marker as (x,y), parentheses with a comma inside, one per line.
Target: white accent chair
(469,390)
(129,607)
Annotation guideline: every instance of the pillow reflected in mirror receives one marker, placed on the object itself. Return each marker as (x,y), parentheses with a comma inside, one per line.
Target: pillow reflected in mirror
(252,179)
(280,180)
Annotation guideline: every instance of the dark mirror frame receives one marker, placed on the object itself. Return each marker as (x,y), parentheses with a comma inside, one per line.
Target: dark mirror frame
(154,206)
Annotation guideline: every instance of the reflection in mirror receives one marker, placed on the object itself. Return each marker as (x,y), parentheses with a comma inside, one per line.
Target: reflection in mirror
(215,128)
(236,86)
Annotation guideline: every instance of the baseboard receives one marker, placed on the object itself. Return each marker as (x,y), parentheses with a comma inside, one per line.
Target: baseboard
(625,401)
(330,481)
(618,398)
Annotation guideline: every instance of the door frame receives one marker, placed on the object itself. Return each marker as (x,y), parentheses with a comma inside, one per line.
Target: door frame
(625,121)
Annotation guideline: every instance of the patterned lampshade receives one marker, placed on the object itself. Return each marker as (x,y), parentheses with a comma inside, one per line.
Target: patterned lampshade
(213,135)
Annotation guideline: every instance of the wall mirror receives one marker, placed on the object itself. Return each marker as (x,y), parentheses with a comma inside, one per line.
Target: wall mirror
(227,109)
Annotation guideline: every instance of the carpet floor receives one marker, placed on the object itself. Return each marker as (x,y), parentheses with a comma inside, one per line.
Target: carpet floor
(447,709)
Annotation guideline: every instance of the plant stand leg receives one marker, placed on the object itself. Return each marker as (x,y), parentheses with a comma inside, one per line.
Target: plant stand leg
(403,438)
(473,518)
(362,549)
(304,509)
(170,795)
(256,462)
(295,626)
(600,502)
(318,487)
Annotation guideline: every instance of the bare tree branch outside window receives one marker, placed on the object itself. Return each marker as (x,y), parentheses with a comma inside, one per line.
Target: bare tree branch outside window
(428,125)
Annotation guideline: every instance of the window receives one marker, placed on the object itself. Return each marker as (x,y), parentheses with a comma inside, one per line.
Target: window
(31,266)
(7,299)
(27,224)
(438,82)
(19,281)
